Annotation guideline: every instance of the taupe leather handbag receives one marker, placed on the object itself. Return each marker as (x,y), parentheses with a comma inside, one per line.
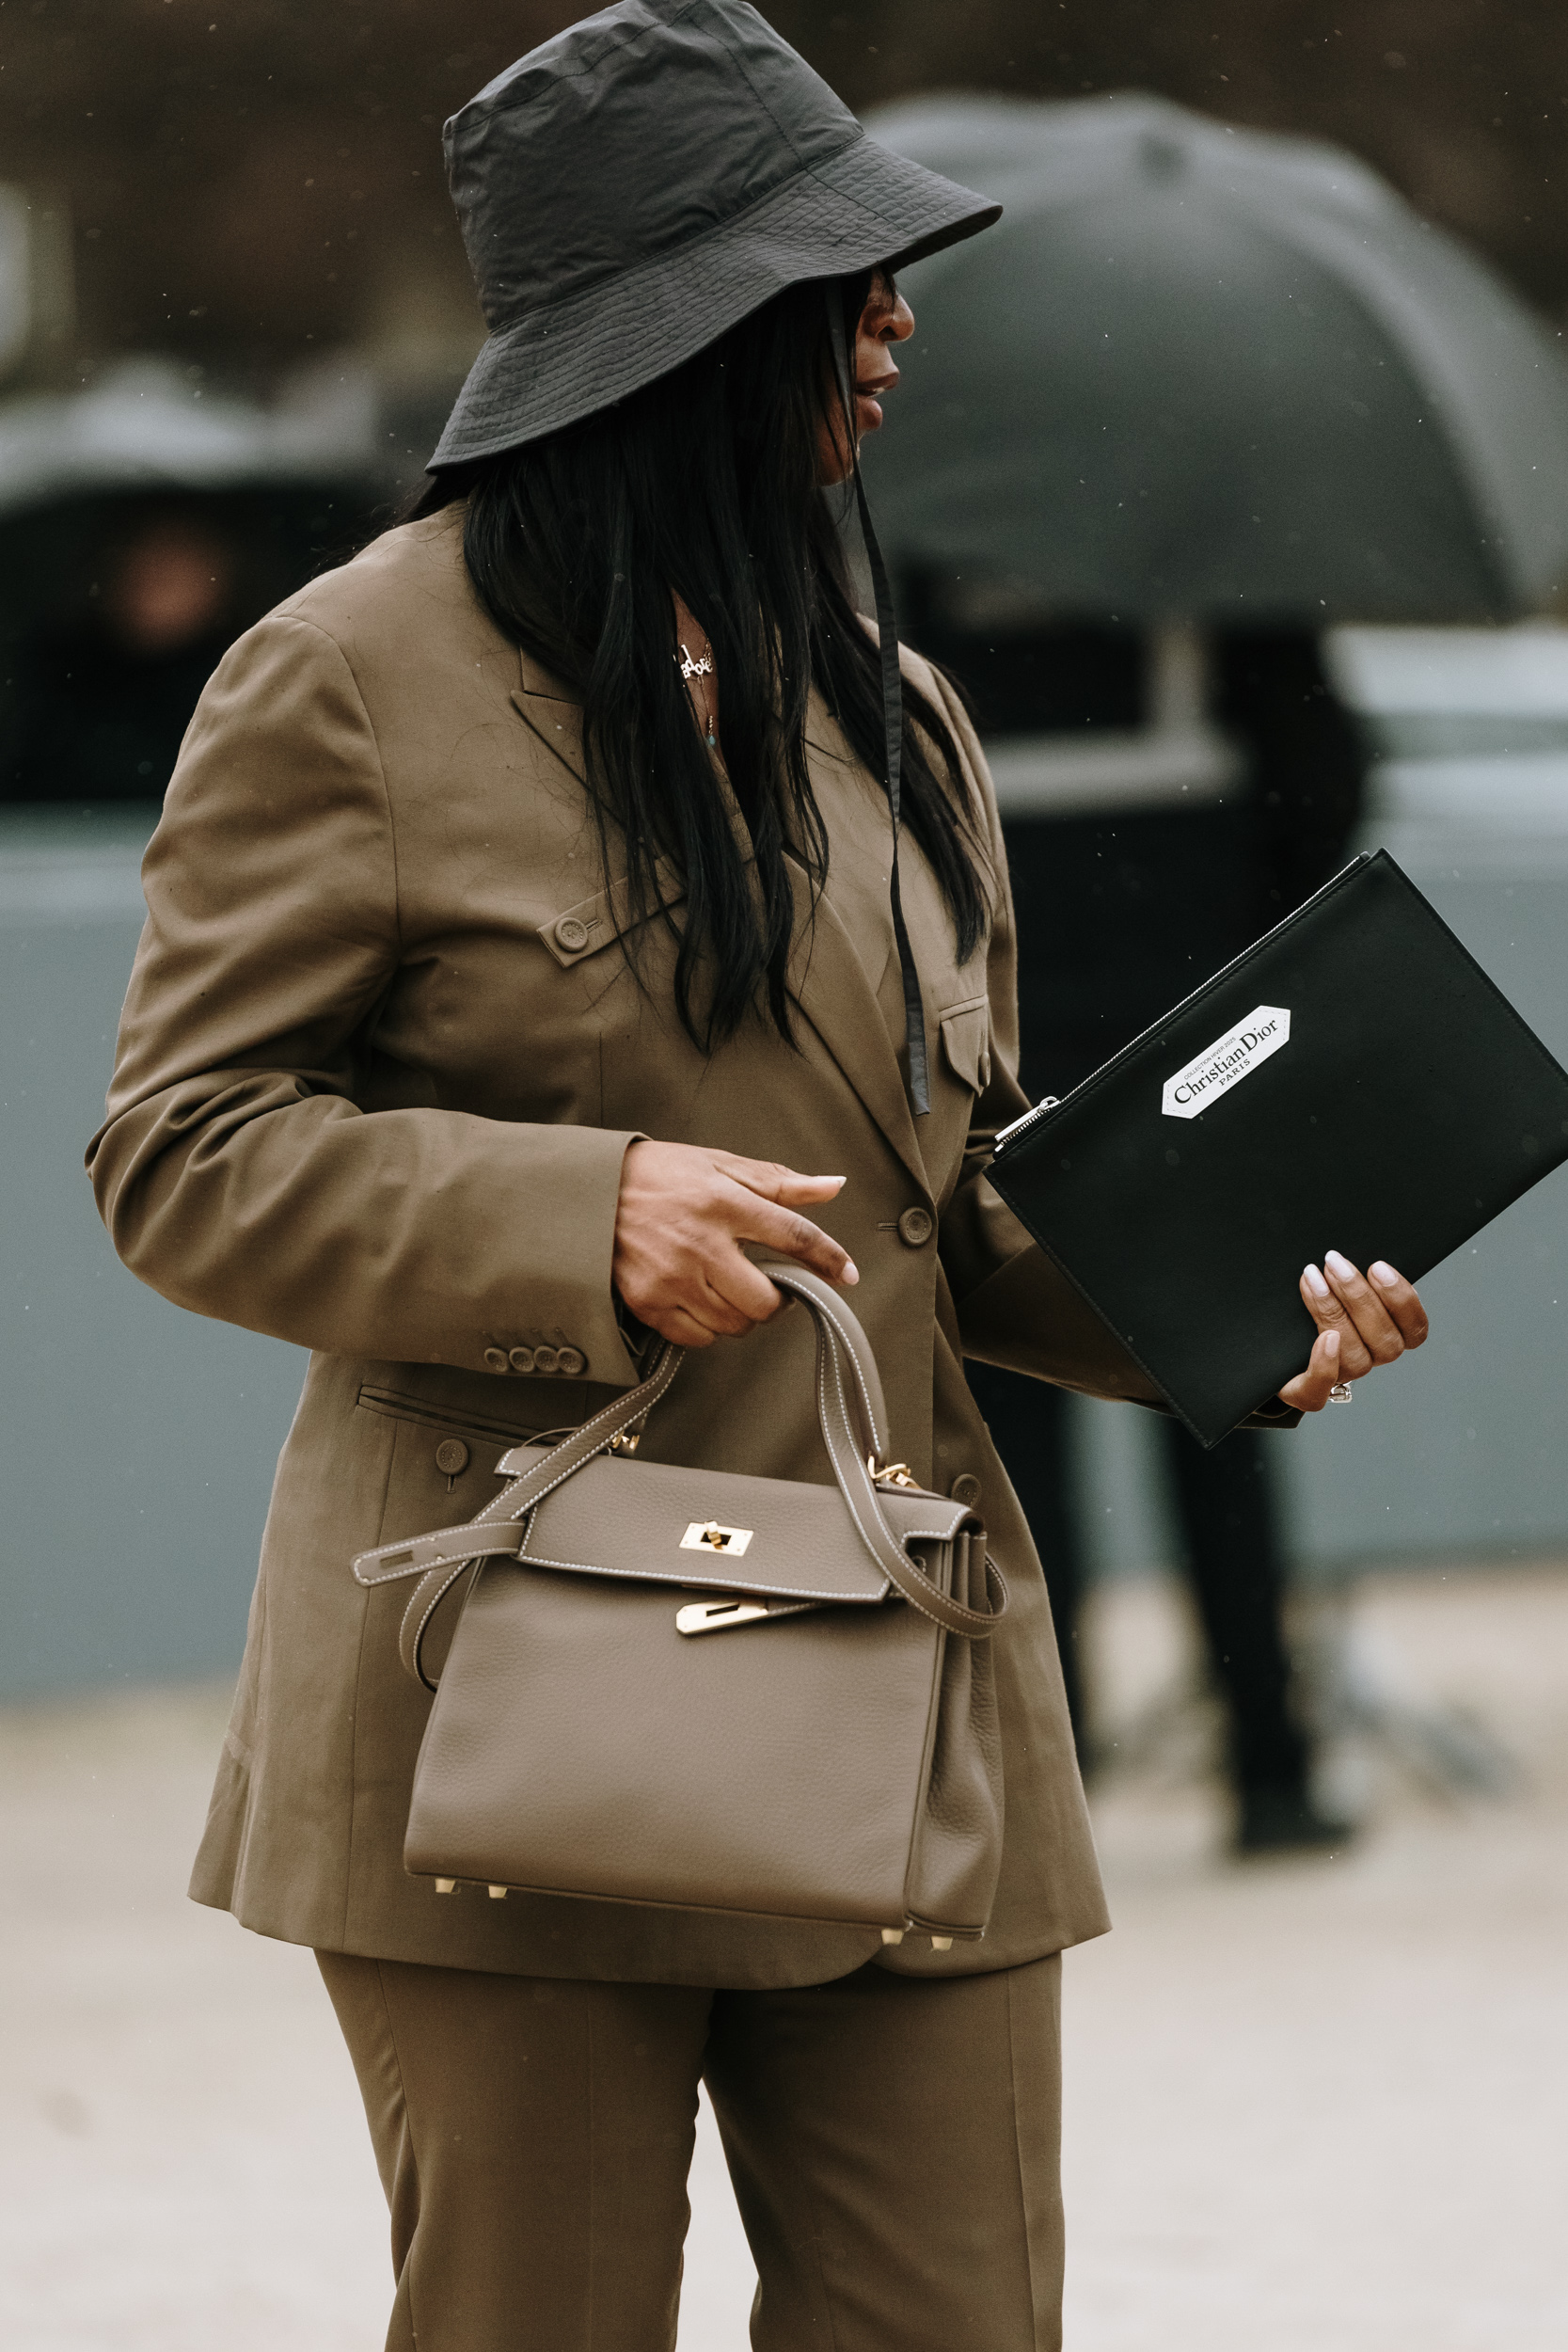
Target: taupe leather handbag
(713,1692)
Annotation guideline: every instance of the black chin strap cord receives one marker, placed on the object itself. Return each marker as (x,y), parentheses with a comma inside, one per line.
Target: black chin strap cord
(893,718)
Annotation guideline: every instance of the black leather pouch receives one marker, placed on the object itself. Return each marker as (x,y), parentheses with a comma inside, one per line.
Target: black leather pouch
(1353,1081)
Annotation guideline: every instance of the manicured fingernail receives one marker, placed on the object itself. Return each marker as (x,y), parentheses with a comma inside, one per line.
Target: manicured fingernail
(1339,1267)
(1315,1283)
(851,1271)
(1331,1342)
(1382,1273)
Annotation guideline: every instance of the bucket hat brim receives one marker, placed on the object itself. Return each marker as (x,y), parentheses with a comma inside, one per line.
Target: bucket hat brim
(862,208)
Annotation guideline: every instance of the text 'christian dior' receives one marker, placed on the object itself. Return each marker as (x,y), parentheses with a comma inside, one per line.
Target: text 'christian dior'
(1227,1062)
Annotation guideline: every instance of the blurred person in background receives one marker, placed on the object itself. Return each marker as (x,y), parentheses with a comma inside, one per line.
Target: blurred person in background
(1120,915)
(115,611)
(107,684)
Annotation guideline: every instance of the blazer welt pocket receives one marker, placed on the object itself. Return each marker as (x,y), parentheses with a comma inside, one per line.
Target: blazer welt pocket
(595,923)
(966,1042)
(396,1405)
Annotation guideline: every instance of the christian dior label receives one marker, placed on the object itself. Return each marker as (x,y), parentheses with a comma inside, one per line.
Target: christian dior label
(1227,1062)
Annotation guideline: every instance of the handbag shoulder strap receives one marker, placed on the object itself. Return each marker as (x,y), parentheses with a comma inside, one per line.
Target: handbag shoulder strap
(854,1418)
(440,1558)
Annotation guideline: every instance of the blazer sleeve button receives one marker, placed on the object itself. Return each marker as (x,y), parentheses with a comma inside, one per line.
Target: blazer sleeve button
(965,1488)
(572,1361)
(571,934)
(522,1360)
(546,1359)
(452,1456)
(496,1358)
(915,1227)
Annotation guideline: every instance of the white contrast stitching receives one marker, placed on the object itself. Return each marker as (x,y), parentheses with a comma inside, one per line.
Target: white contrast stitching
(827,1308)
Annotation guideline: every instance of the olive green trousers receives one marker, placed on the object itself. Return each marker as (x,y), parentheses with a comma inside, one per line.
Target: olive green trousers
(893,2143)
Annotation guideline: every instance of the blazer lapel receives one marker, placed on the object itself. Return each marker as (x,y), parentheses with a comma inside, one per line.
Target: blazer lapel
(552,712)
(534,679)
(833,983)
(827,980)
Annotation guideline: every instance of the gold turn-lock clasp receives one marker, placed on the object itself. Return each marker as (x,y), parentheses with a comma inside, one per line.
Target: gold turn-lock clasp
(707,1535)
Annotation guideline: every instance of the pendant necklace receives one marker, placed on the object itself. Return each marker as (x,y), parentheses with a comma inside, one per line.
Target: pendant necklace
(701,667)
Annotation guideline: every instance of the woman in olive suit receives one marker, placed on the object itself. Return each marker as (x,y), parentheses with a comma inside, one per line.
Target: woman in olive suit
(520,953)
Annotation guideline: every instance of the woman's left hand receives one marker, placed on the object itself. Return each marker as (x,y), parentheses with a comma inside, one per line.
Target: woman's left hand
(1363,1321)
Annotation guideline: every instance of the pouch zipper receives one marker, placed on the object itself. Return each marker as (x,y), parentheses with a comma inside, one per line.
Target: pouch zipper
(1006,1135)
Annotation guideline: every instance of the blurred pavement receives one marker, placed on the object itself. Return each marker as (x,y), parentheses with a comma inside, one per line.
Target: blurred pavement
(1308,2103)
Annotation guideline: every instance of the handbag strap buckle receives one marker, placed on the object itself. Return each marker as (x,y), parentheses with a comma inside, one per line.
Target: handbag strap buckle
(893,1474)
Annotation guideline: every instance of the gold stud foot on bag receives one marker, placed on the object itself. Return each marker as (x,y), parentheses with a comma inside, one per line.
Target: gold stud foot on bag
(498,1894)
(942,1943)
(893,1935)
(446,1886)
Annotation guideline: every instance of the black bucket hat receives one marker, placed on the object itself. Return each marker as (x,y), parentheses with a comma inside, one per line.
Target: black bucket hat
(633,189)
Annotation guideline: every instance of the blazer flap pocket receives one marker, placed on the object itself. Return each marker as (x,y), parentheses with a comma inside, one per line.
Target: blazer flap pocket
(966,1042)
(582,931)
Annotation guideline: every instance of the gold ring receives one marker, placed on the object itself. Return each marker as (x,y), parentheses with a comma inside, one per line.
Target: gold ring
(1340,1393)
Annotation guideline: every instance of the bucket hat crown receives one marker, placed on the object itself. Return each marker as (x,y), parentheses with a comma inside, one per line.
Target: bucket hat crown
(631,189)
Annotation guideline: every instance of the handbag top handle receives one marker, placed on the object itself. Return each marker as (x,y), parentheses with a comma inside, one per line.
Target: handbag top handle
(852,1414)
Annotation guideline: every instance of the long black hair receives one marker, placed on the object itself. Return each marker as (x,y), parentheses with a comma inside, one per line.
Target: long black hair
(705,482)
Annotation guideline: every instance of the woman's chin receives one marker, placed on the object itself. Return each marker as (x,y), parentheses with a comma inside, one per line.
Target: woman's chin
(868,414)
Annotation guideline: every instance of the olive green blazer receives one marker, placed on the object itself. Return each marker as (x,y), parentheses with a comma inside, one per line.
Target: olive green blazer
(380,1060)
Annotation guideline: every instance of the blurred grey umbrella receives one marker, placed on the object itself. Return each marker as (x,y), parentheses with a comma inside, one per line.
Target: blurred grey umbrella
(1214,372)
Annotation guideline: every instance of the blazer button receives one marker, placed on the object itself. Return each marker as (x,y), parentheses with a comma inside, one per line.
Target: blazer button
(521,1360)
(546,1359)
(915,1227)
(571,934)
(452,1456)
(965,1488)
(496,1358)
(571,1361)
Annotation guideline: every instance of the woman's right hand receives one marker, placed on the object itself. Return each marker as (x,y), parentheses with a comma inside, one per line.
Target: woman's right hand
(681,1217)
(1361,1323)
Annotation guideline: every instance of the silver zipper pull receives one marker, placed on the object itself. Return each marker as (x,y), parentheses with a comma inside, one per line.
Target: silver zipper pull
(1046,1102)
